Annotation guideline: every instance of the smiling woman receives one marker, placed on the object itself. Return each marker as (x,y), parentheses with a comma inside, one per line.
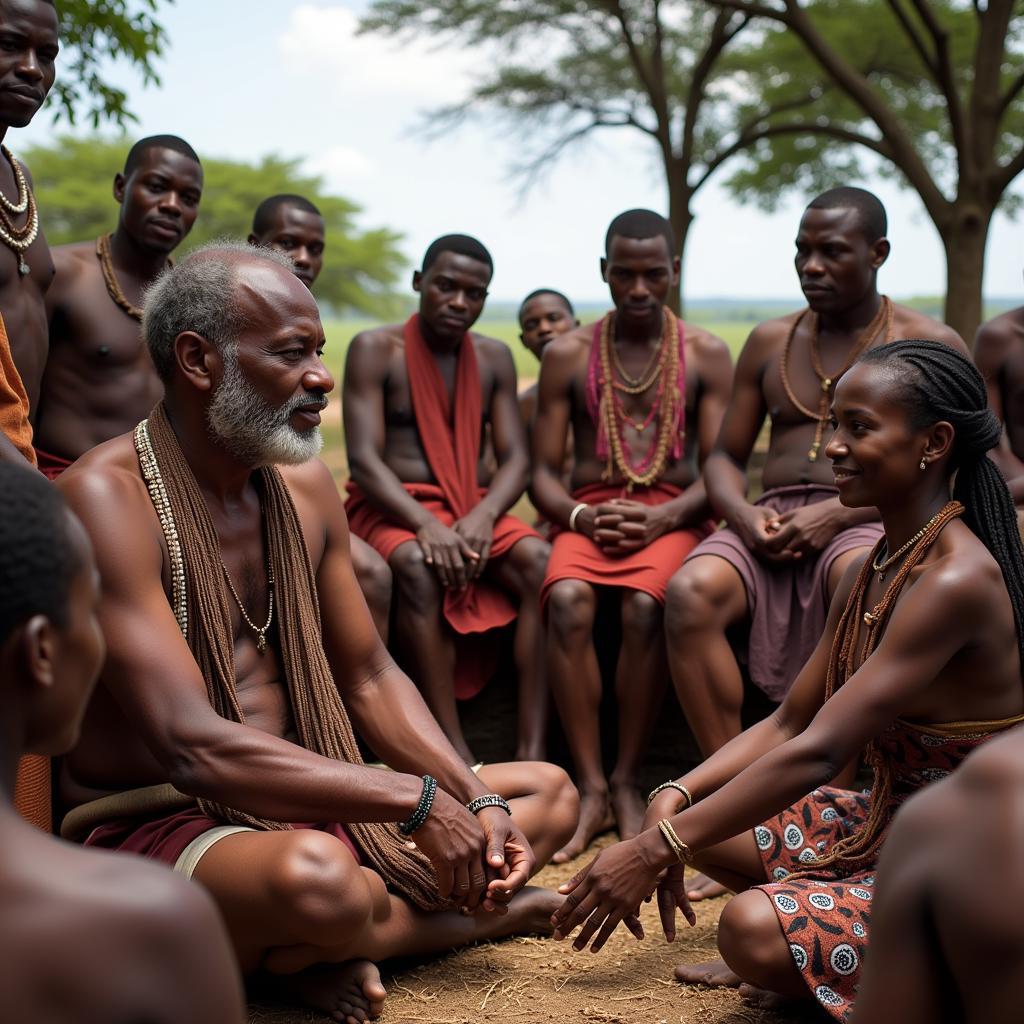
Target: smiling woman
(920,662)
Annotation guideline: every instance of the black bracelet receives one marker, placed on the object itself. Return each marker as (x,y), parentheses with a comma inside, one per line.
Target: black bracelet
(488,800)
(419,816)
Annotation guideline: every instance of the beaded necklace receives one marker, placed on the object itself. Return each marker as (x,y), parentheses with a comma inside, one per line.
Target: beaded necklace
(18,239)
(611,417)
(110,278)
(821,417)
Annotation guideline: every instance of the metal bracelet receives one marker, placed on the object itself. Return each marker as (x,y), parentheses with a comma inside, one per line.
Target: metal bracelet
(671,784)
(488,800)
(419,816)
(574,514)
(683,853)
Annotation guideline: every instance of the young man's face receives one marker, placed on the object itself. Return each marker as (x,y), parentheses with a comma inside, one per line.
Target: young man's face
(452,293)
(542,319)
(299,234)
(641,273)
(28,58)
(160,198)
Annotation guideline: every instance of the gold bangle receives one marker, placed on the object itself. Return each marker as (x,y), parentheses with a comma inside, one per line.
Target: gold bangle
(683,853)
(574,514)
(671,784)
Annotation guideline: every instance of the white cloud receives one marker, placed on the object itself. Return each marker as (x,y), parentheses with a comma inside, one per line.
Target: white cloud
(338,165)
(324,40)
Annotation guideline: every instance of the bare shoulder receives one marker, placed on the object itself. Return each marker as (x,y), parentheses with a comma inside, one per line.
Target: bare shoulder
(998,336)
(964,580)
(912,324)
(566,354)
(491,350)
(375,343)
(108,471)
(311,479)
(73,257)
(702,344)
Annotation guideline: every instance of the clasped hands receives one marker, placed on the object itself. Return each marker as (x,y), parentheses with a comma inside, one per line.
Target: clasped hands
(458,553)
(481,861)
(610,889)
(621,526)
(787,536)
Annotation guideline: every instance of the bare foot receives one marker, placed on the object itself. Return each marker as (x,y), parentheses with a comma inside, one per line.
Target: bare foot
(629,808)
(529,913)
(715,973)
(765,999)
(350,993)
(595,818)
(704,888)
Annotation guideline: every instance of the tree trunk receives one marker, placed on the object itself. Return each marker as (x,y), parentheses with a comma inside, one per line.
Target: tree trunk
(964,239)
(680,217)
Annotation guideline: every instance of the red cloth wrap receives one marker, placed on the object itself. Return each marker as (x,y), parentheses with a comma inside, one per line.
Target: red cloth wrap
(51,466)
(164,839)
(450,434)
(576,557)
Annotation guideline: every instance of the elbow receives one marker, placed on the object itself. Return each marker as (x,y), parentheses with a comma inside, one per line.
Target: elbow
(814,763)
(193,766)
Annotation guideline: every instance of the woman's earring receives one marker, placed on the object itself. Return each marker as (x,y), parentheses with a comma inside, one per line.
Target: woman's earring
(922,463)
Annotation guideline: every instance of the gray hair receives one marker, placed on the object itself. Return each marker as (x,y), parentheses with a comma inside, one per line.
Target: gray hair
(198,294)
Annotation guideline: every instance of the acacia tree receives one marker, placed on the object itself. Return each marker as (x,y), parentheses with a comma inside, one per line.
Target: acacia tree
(931,87)
(577,67)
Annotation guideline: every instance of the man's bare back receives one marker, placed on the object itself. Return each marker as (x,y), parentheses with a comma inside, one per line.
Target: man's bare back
(999,355)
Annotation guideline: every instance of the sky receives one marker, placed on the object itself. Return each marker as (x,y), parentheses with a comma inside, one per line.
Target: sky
(243,79)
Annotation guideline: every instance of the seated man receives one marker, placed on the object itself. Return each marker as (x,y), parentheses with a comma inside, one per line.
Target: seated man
(999,354)
(632,387)
(775,568)
(942,949)
(239,647)
(417,401)
(99,380)
(543,316)
(294,226)
(84,936)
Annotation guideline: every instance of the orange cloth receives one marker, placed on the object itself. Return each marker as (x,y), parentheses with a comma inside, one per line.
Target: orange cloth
(14,401)
(51,466)
(32,791)
(450,434)
(576,557)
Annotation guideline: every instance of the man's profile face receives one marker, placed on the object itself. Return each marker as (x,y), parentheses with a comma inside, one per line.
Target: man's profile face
(299,234)
(641,272)
(160,198)
(834,260)
(452,293)
(543,319)
(28,58)
(266,408)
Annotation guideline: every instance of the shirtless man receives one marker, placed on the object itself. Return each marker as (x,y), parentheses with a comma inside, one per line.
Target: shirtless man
(417,401)
(543,316)
(635,506)
(84,936)
(779,561)
(239,645)
(293,225)
(999,354)
(99,379)
(28,31)
(941,949)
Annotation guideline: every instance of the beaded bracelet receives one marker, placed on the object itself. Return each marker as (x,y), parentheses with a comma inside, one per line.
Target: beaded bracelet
(419,816)
(488,800)
(683,853)
(670,785)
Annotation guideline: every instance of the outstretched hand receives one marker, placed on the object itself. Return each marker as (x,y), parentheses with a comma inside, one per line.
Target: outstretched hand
(509,859)
(608,892)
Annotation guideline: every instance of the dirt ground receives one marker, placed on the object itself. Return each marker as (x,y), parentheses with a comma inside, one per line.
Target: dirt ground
(522,981)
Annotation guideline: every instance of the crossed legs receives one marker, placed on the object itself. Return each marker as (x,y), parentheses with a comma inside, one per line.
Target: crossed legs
(576,683)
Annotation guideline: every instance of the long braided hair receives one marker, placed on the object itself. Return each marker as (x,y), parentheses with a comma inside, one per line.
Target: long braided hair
(935,382)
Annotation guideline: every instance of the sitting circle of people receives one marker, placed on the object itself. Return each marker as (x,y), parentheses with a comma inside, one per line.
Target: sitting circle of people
(214,659)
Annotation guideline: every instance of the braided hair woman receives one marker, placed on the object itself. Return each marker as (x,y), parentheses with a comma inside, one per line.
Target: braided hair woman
(920,663)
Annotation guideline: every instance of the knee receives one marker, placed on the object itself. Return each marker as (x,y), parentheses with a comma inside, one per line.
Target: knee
(319,886)
(695,599)
(560,796)
(570,608)
(642,614)
(750,939)
(533,554)
(414,580)
(375,580)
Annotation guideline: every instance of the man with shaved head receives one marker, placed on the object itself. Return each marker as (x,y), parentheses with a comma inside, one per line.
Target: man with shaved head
(418,398)
(241,655)
(292,225)
(99,379)
(772,572)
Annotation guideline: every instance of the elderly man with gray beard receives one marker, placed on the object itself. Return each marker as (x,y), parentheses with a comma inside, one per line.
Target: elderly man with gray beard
(239,645)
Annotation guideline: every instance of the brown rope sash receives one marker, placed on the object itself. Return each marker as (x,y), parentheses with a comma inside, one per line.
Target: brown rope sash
(320,717)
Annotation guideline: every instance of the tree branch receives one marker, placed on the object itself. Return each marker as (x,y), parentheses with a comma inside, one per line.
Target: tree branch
(1011,94)
(914,36)
(946,78)
(1007,172)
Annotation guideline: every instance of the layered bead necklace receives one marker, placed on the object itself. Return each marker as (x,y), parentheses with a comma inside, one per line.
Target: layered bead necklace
(664,370)
(821,417)
(18,239)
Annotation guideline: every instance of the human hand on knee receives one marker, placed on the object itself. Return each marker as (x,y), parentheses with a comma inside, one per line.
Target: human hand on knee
(446,552)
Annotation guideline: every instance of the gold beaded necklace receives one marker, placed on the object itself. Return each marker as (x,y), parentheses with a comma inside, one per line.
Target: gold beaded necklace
(821,417)
(882,565)
(18,239)
(260,631)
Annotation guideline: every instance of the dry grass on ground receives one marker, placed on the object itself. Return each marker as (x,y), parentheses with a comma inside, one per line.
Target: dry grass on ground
(522,981)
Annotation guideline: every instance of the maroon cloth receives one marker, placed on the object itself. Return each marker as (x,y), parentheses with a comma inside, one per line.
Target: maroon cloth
(51,466)
(576,557)
(164,839)
(788,602)
(825,915)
